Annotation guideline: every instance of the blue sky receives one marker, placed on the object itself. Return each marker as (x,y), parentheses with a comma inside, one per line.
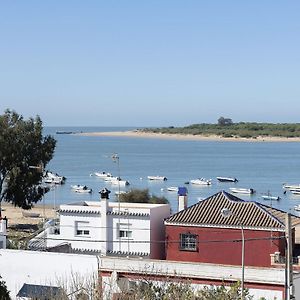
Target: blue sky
(150,63)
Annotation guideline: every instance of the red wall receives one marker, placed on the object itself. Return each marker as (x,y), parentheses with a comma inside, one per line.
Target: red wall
(216,246)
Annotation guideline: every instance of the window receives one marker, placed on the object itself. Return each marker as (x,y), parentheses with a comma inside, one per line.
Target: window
(124,231)
(82,228)
(188,242)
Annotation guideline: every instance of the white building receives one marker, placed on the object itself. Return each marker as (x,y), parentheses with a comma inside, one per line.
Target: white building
(3,233)
(108,228)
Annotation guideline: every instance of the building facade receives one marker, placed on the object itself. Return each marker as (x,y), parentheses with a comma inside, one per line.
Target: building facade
(108,228)
(202,233)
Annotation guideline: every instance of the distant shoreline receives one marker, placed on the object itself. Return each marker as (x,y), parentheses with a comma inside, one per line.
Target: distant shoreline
(187,137)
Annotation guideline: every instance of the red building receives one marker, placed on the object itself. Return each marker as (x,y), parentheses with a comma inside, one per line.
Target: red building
(211,232)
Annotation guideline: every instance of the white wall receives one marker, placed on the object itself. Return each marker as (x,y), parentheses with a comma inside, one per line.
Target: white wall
(68,231)
(158,214)
(2,234)
(18,267)
(140,241)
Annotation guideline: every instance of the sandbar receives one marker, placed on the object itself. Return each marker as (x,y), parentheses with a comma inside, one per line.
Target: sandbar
(188,137)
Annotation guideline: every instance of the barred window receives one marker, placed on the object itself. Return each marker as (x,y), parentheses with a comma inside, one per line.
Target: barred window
(82,228)
(188,241)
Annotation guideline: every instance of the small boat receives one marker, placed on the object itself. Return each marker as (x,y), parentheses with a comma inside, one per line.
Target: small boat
(102,174)
(269,197)
(291,186)
(201,181)
(295,191)
(53,178)
(242,191)
(227,179)
(164,178)
(81,188)
(172,189)
(297,207)
(118,181)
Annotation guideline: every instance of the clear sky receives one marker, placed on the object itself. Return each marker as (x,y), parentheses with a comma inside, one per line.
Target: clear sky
(150,63)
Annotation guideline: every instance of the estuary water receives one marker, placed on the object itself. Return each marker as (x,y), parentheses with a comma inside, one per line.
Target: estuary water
(263,166)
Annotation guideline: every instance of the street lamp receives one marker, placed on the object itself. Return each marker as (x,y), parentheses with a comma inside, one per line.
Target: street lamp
(226,212)
(115,157)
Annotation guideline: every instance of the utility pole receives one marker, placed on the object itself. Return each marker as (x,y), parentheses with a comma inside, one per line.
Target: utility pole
(289,292)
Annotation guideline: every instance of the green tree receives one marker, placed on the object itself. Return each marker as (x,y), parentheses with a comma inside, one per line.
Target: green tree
(4,293)
(142,196)
(22,145)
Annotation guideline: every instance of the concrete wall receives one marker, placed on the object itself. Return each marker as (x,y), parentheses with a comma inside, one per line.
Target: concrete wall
(216,245)
(261,282)
(18,267)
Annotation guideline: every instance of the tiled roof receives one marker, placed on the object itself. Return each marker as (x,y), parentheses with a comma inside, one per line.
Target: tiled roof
(248,213)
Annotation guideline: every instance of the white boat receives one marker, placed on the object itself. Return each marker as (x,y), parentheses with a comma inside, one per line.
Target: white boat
(102,174)
(297,207)
(227,179)
(201,181)
(242,191)
(295,191)
(291,186)
(164,178)
(81,188)
(53,178)
(172,189)
(269,197)
(118,181)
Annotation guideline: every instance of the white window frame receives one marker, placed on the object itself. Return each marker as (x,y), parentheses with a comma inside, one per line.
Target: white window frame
(126,230)
(82,228)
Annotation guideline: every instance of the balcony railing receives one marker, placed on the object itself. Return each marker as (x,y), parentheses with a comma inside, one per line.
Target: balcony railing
(277,259)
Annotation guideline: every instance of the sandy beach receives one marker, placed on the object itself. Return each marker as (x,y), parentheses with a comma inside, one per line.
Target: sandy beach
(15,214)
(190,137)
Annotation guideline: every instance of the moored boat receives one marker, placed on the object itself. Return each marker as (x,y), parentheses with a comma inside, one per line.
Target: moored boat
(242,191)
(103,174)
(164,178)
(81,188)
(291,186)
(201,181)
(297,207)
(227,179)
(269,197)
(53,178)
(172,189)
(118,181)
(295,191)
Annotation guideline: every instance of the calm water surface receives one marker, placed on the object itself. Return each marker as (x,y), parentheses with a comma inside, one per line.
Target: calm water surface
(263,166)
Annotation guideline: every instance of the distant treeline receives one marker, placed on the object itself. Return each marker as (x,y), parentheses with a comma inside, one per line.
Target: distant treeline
(241,129)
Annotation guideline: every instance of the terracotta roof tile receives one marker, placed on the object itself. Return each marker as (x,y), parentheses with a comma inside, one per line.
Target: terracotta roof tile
(249,213)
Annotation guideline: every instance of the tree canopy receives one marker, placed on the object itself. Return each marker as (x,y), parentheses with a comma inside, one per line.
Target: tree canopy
(24,152)
(142,196)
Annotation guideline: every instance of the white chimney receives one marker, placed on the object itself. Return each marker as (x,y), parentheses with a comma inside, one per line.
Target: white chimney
(182,198)
(103,219)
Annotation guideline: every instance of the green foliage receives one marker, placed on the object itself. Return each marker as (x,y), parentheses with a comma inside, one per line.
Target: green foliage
(4,293)
(22,145)
(242,129)
(176,289)
(142,196)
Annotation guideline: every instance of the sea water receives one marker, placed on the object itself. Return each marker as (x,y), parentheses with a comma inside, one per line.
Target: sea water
(263,166)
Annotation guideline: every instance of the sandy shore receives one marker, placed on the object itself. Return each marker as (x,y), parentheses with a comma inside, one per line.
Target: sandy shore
(15,214)
(190,137)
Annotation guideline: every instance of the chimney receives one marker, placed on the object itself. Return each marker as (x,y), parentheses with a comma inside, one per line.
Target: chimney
(182,198)
(104,196)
